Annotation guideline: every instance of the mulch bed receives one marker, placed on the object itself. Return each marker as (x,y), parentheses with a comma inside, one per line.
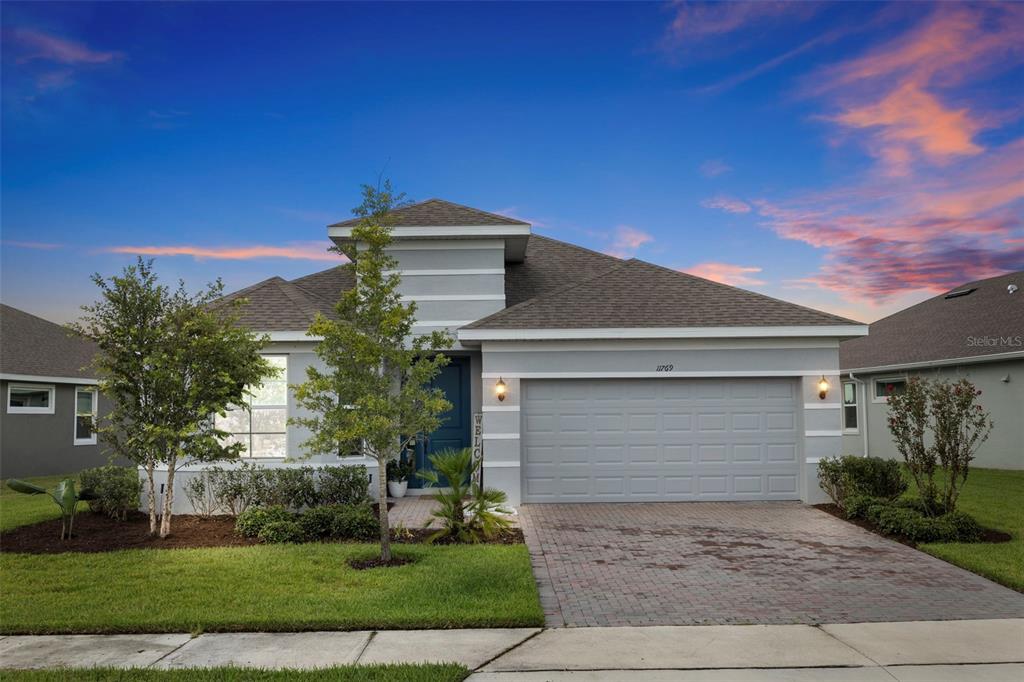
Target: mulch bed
(987,534)
(99,533)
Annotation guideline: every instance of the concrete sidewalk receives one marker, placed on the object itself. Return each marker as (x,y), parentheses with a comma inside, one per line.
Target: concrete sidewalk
(924,650)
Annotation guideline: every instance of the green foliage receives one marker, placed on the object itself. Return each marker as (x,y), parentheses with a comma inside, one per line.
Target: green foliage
(401,469)
(116,489)
(167,361)
(318,523)
(252,521)
(237,488)
(294,488)
(373,396)
(277,532)
(355,523)
(850,475)
(468,512)
(343,485)
(199,491)
(908,519)
(63,495)
(957,424)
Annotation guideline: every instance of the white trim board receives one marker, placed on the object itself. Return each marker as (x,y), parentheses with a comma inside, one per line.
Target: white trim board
(822,406)
(848,330)
(655,345)
(655,375)
(994,357)
(499,408)
(440,323)
(453,297)
(34,378)
(500,436)
(436,242)
(455,271)
(822,434)
(500,465)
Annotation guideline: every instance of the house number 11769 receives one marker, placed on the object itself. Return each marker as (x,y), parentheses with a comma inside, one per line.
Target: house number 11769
(665,368)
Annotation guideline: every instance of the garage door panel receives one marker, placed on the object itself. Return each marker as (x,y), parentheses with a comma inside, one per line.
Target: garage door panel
(679,439)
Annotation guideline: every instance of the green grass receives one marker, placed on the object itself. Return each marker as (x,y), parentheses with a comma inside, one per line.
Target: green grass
(995,497)
(267,588)
(19,509)
(357,673)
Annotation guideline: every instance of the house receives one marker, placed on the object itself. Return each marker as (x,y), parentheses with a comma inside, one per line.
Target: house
(622,380)
(975,331)
(50,398)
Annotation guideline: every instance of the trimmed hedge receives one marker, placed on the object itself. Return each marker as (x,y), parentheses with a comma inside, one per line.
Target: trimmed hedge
(277,532)
(251,522)
(334,522)
(907,519)
(116,488)
(850,475)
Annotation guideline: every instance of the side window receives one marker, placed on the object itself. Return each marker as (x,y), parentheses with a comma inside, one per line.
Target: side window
(262,429)
(30,398)
(86,400)
(849,406)
(887,387)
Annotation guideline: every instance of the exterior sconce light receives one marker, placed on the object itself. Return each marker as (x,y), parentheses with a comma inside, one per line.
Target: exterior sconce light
(500,389)
(823,387)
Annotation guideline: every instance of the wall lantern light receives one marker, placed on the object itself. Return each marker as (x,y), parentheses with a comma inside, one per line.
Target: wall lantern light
(823,387)
(500,389)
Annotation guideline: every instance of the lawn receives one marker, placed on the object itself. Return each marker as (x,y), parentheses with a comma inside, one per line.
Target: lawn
(18,509)
(357,673)
(995,497)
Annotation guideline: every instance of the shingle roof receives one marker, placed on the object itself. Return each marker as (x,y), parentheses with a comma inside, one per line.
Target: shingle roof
(940,328)
(33,346)
(276,304)
(636,294)
(440,213)
(329,283)
(550,265)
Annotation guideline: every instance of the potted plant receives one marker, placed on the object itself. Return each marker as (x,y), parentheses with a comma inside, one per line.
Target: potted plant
(399,472)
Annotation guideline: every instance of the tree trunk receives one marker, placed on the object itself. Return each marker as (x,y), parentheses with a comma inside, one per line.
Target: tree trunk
(151,497)
(165,518)
(382,506)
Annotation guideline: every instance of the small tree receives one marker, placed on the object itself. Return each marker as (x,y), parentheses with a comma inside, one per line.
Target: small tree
(958,426)
(169,361)
(373,397)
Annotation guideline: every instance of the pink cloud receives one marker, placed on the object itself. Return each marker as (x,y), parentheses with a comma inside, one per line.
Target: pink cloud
(47,47)
(42,246)
(315,251)
(712,168)
(626,241)
(727,204)
(726,273)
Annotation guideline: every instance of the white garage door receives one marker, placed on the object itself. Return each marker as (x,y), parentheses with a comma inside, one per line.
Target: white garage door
(607,440)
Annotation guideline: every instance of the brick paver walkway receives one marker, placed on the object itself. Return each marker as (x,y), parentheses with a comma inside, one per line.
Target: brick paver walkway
(737,563)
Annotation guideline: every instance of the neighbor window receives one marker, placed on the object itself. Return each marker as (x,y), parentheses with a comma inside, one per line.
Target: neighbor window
(262,428)
(30,398)
(887,387)
(849,406)
(85,415)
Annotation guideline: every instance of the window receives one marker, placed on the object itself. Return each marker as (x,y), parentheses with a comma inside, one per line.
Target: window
(85,415)
(30,398)
(262,428)
(849,406)
(887,387)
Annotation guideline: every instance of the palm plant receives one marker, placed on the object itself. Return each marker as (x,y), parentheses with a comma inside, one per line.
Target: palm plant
(63,494)
(478,518)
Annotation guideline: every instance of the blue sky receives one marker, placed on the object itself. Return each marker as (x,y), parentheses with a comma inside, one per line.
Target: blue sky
(852,157)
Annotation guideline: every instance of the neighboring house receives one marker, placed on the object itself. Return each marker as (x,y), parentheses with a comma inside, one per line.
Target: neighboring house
(50,398)
(975,331)
(624,381)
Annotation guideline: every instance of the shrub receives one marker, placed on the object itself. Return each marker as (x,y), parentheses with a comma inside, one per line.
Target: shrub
(850,475)
(251,521)
(318,523)
(237,488)
(116,489)
(277,532)
(294,488)
(908,519)
(481,516)
(355,523)
(344,485)
(856,506)
(199,493)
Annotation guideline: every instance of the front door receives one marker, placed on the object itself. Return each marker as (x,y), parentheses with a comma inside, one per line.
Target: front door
(454,432)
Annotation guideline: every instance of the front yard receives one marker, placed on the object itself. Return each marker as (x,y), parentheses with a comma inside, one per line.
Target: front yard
(440,672)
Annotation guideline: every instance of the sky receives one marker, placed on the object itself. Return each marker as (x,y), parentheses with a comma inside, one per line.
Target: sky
(853,157)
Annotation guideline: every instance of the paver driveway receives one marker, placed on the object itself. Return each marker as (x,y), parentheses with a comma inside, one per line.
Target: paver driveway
(739,562)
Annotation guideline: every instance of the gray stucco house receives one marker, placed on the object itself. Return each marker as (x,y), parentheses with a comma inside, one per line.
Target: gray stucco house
(975,331)
(50,398)
(624,381)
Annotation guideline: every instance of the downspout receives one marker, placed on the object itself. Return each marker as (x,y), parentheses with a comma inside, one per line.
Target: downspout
(864,413)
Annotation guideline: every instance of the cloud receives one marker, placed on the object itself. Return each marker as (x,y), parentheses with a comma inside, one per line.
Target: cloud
(42,246)
(315,251)
(37,45)
(726,273)
(514,213)
(712,168)
(696,23)
(626,241)
(727,204)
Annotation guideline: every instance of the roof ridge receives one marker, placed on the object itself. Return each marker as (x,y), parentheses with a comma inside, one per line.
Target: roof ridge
(471,208)
(514,221)
(578,247)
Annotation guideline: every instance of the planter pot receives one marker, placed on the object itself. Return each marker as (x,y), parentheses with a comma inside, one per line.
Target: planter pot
(397,488)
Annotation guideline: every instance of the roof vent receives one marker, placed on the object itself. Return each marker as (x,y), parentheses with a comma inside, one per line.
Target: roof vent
(1010,288)
(960,292)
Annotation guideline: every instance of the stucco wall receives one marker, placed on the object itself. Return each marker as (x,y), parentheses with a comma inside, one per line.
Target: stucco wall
(1003,400)
(43,444)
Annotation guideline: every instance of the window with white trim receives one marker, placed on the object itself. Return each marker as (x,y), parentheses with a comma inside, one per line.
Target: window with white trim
(262,429)
(849,407)
(30,398)
(887,387)
(86,400)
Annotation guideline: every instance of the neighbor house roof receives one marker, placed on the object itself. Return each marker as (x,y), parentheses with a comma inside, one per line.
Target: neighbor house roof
(32,346)
(941,329)
(276,304)
(635,293)
(440,213)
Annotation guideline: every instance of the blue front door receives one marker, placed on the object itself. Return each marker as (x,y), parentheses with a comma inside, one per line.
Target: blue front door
(454,432)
